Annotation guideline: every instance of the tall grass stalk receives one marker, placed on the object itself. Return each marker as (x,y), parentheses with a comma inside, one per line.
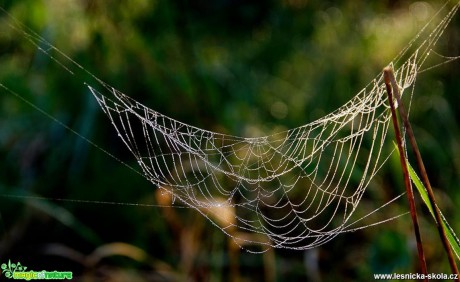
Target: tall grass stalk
(392,86)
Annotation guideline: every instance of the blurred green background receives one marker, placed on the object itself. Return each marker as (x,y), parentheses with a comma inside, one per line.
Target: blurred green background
(238,67)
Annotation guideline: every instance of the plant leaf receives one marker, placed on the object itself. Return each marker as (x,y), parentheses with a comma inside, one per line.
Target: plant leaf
(451,236)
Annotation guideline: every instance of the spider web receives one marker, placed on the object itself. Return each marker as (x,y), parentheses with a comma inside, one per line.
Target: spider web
(297,188)
(294,189)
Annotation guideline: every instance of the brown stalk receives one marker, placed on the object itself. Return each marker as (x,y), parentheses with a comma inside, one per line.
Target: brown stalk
(388,71)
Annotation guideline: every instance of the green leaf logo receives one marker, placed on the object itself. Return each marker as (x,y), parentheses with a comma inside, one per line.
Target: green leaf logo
(10,268)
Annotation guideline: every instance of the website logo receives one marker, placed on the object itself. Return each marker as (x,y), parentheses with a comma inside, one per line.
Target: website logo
(18,271)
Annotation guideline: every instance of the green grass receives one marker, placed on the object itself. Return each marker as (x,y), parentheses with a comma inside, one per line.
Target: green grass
(451,236)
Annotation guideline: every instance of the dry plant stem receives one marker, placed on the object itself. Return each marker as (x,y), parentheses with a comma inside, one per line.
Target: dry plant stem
(421,167)
(410,195)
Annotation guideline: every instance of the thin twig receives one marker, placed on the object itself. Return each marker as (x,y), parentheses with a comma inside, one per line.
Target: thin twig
(421,167)
(387,73)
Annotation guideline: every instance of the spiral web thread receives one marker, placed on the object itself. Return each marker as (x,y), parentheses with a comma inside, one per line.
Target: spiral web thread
(295,189)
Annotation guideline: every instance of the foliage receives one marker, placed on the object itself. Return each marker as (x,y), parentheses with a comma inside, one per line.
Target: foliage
(239,67)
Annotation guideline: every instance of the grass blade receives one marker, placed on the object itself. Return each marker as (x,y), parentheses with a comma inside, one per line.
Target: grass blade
(451,236)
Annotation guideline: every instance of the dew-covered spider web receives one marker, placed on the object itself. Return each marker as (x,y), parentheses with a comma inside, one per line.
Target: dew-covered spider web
(294,189)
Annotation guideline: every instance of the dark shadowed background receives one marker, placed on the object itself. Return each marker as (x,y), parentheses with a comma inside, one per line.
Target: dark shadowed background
(238,67)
